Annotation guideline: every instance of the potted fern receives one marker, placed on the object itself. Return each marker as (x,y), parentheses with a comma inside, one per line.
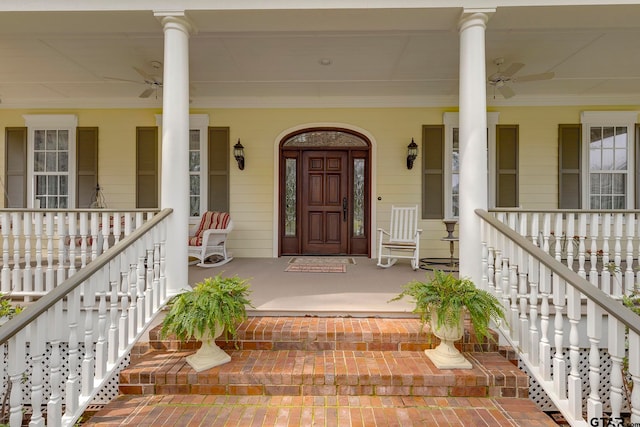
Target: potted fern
(443,302)
(213,306)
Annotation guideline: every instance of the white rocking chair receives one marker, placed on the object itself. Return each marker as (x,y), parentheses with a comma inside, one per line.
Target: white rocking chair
(403,238)
(210,239)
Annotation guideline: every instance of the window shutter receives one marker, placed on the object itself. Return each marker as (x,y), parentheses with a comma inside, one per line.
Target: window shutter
(146,167)
(433,171)
(569,166)
(15,182)
(218,151)
(86,166)
(507,166)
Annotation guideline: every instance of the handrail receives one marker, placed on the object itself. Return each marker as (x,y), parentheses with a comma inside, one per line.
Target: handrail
(608,304)
(23,210)
(31,312)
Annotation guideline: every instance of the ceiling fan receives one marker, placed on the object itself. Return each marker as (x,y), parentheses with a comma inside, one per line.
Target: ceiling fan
(152,82)
(500,80)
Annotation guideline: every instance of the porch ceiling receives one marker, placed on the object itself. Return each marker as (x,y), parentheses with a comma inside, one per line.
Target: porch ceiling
(403,56)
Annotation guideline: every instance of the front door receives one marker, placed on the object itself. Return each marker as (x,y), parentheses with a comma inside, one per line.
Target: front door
(324,193)
(324,213)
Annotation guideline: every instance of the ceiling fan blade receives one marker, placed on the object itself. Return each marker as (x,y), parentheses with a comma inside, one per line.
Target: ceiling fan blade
(513,68)
(121,80)
(144,74)
(534,77)
(506,91)
(146,93)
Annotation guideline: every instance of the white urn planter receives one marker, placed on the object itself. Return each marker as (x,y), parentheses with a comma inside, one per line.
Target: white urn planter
(446,355)
(209,354)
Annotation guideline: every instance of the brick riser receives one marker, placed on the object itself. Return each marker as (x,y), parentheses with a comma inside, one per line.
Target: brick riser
(322,373)
(323,356)
(312,334)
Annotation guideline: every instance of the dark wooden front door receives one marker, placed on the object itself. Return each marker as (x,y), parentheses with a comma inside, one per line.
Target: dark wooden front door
(324,213)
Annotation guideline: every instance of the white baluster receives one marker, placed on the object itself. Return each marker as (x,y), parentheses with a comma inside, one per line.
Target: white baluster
(535,229)
(87,369)
(49,277)
(16,277)
(594,332)
(84,235)
(127,224)
(101,343)
(605,281)
(106,229)
(95,226)
(38,284)
(148,294)
(534,334)
(54,406)
(634,371)
(571,239)
(163,260)
(545,344)
(133,307)
(514,315)
(117,226)
(140,286)
(561,238)
(37,338)
(156,270)
(112,337)
(616,342)
(559,365)
(574,382)
(61,273)
(123,336)
(593,272)
(5,274)
(618,251)
(72,388)
(16,368)
(506,292)
(27,282)
(73,234)
(582,234)
(546,232)
(628,275)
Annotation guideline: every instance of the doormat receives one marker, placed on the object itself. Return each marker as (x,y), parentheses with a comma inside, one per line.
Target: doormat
(299,267)
(320,260)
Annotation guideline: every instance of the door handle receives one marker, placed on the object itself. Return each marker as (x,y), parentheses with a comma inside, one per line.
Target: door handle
(344,209)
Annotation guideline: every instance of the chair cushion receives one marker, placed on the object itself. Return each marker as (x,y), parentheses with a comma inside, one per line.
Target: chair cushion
(210,220)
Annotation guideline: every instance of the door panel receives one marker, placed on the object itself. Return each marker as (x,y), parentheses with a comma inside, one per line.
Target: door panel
(324,186)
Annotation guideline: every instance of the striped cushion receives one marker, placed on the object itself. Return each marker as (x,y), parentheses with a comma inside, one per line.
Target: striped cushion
(210,220)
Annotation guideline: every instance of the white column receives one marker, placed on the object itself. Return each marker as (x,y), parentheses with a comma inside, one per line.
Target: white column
(174,192)
(473,139)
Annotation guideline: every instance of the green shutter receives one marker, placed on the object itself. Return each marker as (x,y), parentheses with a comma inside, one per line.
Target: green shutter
(569,166)
(86,166)
(146,167)
(507,166)
(218,159)
(15,182)
(432,171)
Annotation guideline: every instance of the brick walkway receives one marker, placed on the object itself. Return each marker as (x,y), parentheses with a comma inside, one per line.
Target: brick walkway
(330,411)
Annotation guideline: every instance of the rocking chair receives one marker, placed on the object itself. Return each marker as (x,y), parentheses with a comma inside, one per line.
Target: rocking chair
(210,240)
(403,238)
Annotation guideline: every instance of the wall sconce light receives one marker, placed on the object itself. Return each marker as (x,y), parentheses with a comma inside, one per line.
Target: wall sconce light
(238,153)
(412,153)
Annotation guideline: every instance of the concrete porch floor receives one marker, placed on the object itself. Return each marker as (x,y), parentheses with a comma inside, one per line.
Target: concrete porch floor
(363,291)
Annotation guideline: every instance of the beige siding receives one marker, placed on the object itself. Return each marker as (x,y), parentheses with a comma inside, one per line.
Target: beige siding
(252,190)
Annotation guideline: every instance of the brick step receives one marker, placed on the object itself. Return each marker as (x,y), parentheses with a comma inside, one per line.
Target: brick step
(323,373)
(329,333)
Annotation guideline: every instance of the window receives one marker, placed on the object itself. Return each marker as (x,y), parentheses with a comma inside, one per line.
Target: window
(51,142)
(198,124)
(608,159)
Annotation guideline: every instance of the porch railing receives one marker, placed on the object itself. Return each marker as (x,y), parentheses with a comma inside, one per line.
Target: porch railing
(548,304)
(41,249)
(99,312)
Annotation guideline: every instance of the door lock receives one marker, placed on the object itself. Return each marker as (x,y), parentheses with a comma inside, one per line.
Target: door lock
(344,209)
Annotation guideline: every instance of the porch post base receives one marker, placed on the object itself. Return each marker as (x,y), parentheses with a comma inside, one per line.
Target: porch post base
(447,357)
(207,357)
